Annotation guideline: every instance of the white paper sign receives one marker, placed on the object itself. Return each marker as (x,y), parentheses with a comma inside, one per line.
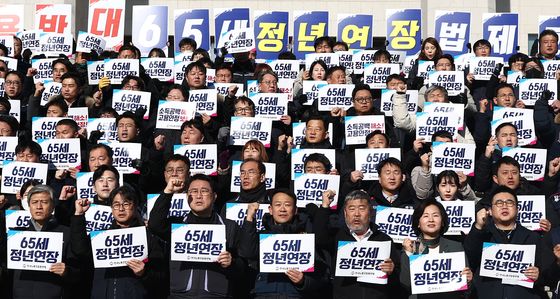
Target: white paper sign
(117,69)
(361,59)
(95,71)
(330,59)
(15,218)
(345,59)
(514,78)
(243,129)
(61,153)
(309,188)
(44,69)
(550,68)
(8,148)
(98,217)
(44,127)
(335,96)
(15,174)
(270,176)
(130,100)
(375,75)
(356,128)
(531,160)
(530,90)
(285,69)
(281,252)
(238,40)
(530,210)
(30,40)
(395,222)
(387,101)
(34,251)
(311,90)
(437,273)
(88,42)
(197,242)
(53,44)
(179,70)
(107,126)
(51,89)
(522,119)
(206,101)
(160,68)
(461,215)
(424,68)
(483,67)
(222,88)
(270,105)
(123,154)
(359,259)
(203,157)
(299,156)
(179,205)
(115,247)
(507,261)
(453,156)
(238,211)
(367,159)
(452,81)
(172,114)
(79,115)
(84,186)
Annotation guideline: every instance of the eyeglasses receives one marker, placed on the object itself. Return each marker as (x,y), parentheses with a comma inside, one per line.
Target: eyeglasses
(124,205)
(249,173)
(203,192)
(500,203)
(363,100)
(243,109)
(269,82)
(175,170)
(15,83)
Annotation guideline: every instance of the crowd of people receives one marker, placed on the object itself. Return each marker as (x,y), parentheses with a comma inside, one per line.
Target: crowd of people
(56,206)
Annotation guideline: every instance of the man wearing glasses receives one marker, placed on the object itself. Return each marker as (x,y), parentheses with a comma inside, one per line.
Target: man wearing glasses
(192,279)
(497,224)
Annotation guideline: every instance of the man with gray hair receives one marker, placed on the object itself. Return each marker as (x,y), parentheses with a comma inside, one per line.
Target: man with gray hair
(358,227)
(57,281)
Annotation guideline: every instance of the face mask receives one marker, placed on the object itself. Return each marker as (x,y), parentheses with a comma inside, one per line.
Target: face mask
(533,73)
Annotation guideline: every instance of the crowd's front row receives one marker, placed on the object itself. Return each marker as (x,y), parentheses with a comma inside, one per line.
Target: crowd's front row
(236,274)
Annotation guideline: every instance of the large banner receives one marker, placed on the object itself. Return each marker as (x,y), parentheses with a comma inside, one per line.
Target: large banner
(452,30)
(308,26)
(149,27)
(404,30)
(271,32)
(192,23)
(227,19)
(355,30)
(500,29)
(56,18)
(11,18)
(106,19)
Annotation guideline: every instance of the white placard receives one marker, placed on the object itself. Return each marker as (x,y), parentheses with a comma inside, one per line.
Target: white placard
(222,88)
(437,273)
(453,156)
(44,127)
(53,44)
(270,105)
(19,219)
(11,63)
(522,119)
(238,211)
(530,210)
(51,89)
(30,40)
(309,188)
(461,215)
(61,153)
(375,75)
(203,157)
(179,205)
(115,247)
(98,217)
(84,186)
(330,59)
(424,68)
(335,96)
(345,59)
(8,148)
(179,70)
(80,115)
(131,100)
(507,261)
(452,81)
(362,259)
(530,90)
(15,111)
(311,90)
(95,71)
(356,128)
(514,78)
(531,160)
(123,154)
(197,242)
(550,68)
(483,67)
(299,156)
(206,101)
(286,86)
(34,251)
(88,42)
(270,176)
(172,114)
(367,159)
(281,252)
(107,126)
(44,69)
(15,174)
(117,69)
(160,68)
(387,101)
(395,222)
(243,129)
(285,69)
(361,59)
(238,40)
